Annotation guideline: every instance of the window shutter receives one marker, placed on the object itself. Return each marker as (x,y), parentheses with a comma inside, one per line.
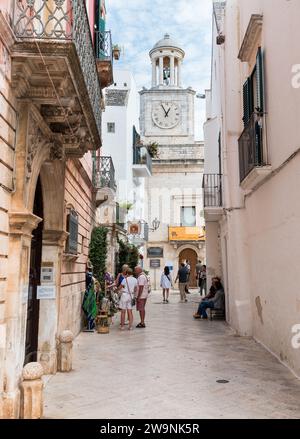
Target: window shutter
(260,81)
(247,101)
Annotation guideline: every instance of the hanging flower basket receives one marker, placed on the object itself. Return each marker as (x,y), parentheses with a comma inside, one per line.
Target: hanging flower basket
(116,52)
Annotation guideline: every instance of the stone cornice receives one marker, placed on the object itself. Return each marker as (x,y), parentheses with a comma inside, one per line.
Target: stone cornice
(252,34)
(6,31)
(55,237)
(22,223)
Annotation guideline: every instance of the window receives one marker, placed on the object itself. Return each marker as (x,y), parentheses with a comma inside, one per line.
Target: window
(111,127)
(188,216)
(125,84)
(253,91)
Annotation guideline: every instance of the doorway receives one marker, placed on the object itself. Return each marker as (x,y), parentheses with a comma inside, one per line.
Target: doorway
(190,255)
(33,305)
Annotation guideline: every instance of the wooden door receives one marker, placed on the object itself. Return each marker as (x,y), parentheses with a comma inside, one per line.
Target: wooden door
(191,256)
(33,306)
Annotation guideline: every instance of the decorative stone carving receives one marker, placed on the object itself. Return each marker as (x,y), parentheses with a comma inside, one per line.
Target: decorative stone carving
(36,139)
(32,392)
(32,371)
(57,151)
(23,223)
(65,351)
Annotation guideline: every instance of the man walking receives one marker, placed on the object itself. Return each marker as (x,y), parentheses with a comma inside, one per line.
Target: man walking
(198,272)
(182,276)
(142,294)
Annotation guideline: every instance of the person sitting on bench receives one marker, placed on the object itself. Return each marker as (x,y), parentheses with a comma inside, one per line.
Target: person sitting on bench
(216,302)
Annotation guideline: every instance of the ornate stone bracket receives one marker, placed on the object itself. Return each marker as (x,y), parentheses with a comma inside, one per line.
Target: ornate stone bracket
(23,223)
(55,237)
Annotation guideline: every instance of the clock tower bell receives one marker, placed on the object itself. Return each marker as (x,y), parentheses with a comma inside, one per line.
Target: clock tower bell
(167,109)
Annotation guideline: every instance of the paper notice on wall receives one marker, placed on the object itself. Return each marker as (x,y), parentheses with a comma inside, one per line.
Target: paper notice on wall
(46,292)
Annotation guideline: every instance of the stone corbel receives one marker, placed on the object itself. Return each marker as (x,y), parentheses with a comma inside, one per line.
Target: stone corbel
(55,237)
(23,223)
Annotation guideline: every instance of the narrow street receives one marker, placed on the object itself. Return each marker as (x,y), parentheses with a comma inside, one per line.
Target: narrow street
(170,370)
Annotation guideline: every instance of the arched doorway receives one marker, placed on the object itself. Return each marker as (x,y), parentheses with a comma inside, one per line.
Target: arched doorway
(33,306)
(190,255)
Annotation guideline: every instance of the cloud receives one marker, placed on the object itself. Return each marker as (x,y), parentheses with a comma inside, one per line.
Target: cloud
(137,25)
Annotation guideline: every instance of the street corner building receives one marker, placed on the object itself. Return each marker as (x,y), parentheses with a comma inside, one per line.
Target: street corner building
(55,58)
(251,172)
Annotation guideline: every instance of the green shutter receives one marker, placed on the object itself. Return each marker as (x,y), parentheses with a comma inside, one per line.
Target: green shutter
(260,81)
(247,101)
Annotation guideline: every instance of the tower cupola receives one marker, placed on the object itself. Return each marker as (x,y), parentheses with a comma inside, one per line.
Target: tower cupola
(166,58)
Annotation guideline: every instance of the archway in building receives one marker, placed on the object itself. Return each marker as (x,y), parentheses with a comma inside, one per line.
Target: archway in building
(33,307)
(190,255)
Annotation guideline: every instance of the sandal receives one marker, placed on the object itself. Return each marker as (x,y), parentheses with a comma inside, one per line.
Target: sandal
(141,325)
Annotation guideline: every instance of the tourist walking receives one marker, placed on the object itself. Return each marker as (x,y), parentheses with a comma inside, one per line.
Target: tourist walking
(142,294)
(203,280)
(188,266)
(166,284)
(128,288)
(182,276)
(197,272)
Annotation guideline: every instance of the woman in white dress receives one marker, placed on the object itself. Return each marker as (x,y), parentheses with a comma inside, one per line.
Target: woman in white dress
(166,284)
(128,289)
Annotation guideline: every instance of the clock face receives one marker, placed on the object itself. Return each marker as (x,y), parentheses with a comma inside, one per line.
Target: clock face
(166,115)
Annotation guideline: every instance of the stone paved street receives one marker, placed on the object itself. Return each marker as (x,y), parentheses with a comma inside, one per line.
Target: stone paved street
(170,370)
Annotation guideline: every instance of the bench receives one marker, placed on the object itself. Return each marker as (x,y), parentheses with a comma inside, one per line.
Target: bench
(218,314)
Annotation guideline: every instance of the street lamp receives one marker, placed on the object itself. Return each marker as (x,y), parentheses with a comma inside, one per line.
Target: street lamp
(155,224)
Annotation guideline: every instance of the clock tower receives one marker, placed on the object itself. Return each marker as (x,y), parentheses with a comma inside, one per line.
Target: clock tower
(174,192)
(167,109)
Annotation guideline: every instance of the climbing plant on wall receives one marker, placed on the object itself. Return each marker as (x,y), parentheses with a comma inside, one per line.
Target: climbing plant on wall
(128,254)
(98,252)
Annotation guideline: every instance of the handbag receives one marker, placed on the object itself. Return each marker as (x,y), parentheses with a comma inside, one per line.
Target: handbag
(133,300)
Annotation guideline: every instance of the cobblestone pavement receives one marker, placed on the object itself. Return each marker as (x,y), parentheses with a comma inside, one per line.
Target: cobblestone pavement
(170,370)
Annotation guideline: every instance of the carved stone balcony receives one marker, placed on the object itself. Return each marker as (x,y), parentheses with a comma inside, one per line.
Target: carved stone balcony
(104,57)
(54,66)
(104,180)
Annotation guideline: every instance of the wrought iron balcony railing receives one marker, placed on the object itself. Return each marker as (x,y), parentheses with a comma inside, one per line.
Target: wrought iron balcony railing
(141,156)
(62,21)
(251,146)
(104,173)
(103,46)
(212,190)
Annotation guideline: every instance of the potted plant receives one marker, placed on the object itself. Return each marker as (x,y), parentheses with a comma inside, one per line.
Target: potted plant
(153,149)
(116,50)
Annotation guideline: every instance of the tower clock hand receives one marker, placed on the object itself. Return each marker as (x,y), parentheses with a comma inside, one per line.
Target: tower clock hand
(167,113)
(164,109)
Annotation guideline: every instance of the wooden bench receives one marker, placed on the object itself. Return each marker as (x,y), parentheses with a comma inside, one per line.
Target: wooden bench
(218,314)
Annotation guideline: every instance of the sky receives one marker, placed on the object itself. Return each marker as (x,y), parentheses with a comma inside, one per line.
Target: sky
(137,25)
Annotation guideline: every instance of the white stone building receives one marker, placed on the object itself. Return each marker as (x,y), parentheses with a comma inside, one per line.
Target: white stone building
(174,194)
(120,127)
(252,149)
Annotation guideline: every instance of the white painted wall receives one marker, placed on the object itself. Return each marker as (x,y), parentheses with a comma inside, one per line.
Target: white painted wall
(119,145)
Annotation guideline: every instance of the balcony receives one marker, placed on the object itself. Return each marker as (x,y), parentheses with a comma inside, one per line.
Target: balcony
(142,162)
(253,168)
(186,234)
(54,67)
(212,197)
(104,57)
(104,179)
